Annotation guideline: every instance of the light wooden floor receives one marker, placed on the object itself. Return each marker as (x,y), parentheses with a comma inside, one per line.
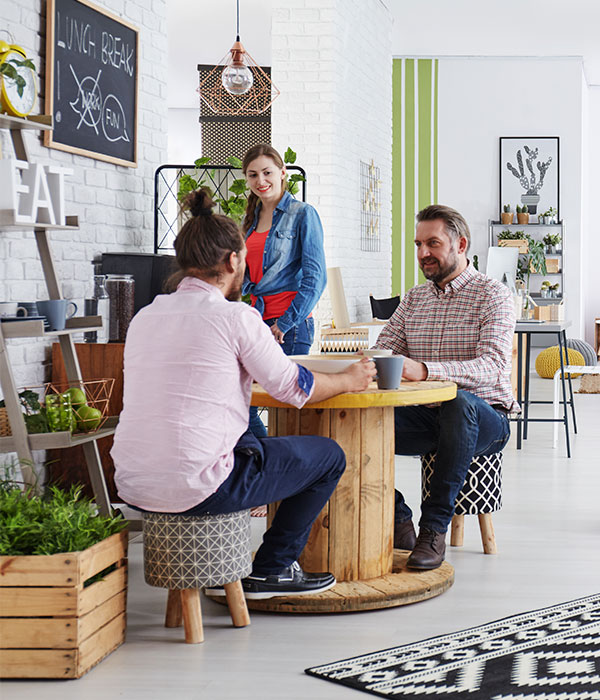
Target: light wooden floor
(548,536)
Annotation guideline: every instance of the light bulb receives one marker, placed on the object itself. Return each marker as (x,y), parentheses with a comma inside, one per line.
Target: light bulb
(237,79)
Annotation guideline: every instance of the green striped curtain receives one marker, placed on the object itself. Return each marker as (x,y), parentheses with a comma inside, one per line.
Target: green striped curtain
(414,160)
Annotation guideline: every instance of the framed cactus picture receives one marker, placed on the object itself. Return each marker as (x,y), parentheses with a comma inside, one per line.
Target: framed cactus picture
(529,174)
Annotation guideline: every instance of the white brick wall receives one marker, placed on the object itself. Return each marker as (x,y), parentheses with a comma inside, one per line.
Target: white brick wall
(114,203)
(332,62)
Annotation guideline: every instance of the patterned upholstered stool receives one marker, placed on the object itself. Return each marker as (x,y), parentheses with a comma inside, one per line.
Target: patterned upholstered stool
(480,495)
(187,552)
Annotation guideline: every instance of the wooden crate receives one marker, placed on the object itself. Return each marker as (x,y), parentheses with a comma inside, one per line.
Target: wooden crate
(520,243)
(53,626)
(549,312)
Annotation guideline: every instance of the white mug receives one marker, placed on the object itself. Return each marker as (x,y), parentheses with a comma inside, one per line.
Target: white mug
(10,309)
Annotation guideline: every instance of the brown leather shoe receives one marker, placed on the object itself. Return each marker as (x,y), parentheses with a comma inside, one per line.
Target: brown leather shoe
(429,551)
(405,536)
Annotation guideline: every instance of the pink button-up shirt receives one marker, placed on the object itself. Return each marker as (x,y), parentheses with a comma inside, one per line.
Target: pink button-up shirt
(190,358)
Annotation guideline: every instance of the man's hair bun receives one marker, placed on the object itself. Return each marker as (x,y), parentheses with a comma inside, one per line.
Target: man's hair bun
(200,202)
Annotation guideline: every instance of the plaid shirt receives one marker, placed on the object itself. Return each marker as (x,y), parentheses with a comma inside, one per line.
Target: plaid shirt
(463,333)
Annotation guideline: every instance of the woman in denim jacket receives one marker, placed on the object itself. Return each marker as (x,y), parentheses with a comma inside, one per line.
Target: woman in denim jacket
(285,265)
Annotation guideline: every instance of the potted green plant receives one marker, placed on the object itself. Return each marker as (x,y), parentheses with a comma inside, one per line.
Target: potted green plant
(548,217)
(554,290)
(507,216)
(63,585)
(513,239)
(522,215)
(545,289)
(533,261)
(551,241)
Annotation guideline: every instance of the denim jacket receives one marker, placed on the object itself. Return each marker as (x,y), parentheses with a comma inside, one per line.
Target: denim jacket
(294,260)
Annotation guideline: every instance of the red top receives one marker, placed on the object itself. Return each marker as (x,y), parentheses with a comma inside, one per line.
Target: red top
(275,304)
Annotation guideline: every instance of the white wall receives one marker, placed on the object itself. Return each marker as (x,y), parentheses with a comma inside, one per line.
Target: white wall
(478,103)
(114,203)
(335,110)
(534,29)
(591,242)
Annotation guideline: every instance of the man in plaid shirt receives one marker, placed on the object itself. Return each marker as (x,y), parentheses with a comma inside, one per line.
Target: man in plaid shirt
(458,326)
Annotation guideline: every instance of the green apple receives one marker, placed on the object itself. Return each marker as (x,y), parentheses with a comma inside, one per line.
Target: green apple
(88,418)
(77,396)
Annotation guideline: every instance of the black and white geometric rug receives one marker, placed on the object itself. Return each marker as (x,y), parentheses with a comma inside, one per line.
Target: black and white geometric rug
(547,654)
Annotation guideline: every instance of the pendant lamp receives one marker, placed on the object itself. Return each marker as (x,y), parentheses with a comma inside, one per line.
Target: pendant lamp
(237,85)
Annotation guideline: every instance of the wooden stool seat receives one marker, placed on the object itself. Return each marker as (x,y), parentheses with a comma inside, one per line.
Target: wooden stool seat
(187,552)
(480,495)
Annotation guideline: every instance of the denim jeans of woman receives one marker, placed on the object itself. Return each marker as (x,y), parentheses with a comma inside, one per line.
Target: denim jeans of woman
(456,431)
(297,341)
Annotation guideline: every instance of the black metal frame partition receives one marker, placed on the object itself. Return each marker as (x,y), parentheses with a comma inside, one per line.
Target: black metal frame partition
(166,204)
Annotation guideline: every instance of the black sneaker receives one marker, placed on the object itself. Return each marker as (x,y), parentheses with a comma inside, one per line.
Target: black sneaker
(292,581)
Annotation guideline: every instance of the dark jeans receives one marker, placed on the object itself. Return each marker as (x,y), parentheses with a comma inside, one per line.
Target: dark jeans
(456,430)
(301,472)
(296,341)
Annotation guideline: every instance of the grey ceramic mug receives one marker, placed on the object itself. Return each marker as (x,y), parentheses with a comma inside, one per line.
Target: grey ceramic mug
(55,310)
(389,371)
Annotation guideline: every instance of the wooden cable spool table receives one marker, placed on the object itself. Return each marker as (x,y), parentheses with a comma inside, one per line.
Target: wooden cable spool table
(353,535)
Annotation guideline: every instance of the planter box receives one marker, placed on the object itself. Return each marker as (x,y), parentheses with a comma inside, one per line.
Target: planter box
(519,243)
(550,312)
(52,625)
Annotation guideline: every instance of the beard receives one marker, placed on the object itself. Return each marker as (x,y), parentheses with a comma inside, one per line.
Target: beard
(441,270)
(235,291)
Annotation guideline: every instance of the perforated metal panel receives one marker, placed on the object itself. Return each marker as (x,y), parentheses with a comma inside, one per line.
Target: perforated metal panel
(223,139)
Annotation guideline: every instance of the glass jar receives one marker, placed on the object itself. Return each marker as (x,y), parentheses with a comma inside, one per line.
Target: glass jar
(120,293)
(98,305)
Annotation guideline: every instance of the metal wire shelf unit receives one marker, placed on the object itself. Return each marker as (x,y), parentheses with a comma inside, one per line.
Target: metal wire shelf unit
(167,211)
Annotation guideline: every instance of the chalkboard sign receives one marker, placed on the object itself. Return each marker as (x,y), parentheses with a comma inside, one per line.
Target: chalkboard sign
(91,81)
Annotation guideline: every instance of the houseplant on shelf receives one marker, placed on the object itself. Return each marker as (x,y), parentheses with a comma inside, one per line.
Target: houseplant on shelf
(507,216)
(545,289)
(534,261)
(551,241)
(522,215)
(63,585)
(513,239)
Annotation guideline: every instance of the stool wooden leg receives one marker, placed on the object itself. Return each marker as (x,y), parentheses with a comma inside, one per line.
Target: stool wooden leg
(237,604)
(487,533)
(174,615)
(192,615)
(457,531)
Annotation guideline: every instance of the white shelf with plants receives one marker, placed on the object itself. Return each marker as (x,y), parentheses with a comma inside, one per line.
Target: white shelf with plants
(52,217)
(548,239)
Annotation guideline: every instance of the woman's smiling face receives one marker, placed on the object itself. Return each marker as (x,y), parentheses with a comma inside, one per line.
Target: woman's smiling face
(265,179)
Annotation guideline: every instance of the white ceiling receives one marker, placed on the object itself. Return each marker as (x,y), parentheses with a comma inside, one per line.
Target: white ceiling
(204,31)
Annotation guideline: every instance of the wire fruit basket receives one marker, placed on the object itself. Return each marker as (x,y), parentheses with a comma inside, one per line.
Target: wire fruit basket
(88,401)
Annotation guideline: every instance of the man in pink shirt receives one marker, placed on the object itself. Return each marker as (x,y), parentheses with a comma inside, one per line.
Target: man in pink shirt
(183,444)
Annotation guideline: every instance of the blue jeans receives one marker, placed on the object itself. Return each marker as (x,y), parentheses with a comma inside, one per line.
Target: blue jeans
(296,341)
(301,472)
(457,431)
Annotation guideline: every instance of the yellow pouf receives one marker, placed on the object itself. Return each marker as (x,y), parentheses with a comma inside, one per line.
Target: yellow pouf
(548,361)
